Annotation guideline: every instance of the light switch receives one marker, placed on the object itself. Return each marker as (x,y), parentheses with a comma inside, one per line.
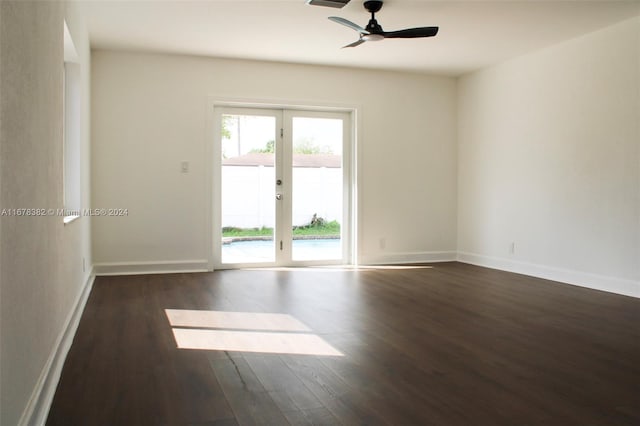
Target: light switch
(184,167)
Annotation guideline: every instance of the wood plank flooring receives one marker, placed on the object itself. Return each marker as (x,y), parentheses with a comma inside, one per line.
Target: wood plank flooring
(449,344)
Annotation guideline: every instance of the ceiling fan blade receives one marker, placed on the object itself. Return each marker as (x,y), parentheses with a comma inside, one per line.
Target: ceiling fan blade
(355,43)
(412,33)
(349,24)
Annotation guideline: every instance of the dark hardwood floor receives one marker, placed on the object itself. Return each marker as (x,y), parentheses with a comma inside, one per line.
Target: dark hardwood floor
(451,344)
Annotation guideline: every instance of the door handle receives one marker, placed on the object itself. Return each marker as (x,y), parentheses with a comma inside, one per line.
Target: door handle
(278,196)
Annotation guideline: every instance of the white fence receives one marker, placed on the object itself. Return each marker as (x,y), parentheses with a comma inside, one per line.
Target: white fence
(249,195)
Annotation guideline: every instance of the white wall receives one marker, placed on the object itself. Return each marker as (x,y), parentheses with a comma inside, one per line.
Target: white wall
(549,159)
(149,114)
(41,276)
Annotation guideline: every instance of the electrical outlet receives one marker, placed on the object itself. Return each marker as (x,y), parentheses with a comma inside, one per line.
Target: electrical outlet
(512,248)
(383,243)
(184,167)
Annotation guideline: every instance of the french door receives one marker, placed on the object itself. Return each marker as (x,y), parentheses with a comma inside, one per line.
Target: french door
(282,187)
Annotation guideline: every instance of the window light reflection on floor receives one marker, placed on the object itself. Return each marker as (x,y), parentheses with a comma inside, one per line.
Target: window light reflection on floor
(234,320)
(245,332)
(339,268)
(253,341)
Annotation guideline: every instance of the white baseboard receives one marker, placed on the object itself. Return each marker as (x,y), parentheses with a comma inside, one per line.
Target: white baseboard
(610,284)
(37,409)
(412,257)
(159,267)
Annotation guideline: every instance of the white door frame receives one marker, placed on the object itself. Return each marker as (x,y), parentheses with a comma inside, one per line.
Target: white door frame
(214,168)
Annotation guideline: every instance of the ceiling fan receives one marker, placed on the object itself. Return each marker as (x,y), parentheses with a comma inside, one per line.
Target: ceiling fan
(374,32)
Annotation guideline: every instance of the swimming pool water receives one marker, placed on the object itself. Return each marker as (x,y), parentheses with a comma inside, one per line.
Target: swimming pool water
(263,251)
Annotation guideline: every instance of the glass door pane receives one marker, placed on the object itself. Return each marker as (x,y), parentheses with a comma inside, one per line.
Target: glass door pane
(317,185)
(248,215)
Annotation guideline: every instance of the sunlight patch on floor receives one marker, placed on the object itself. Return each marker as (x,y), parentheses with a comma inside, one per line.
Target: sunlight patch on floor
(245,332)
(234,320)
(252,341)
(339,268)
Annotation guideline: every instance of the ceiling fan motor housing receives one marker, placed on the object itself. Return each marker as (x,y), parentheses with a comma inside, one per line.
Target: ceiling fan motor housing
(373,27)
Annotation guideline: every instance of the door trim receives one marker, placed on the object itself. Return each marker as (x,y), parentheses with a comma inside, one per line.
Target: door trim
(213,169)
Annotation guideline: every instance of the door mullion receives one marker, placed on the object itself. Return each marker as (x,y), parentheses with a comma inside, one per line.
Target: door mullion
(284,171)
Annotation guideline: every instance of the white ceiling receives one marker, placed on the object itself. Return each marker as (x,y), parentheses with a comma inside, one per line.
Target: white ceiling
(473,34)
